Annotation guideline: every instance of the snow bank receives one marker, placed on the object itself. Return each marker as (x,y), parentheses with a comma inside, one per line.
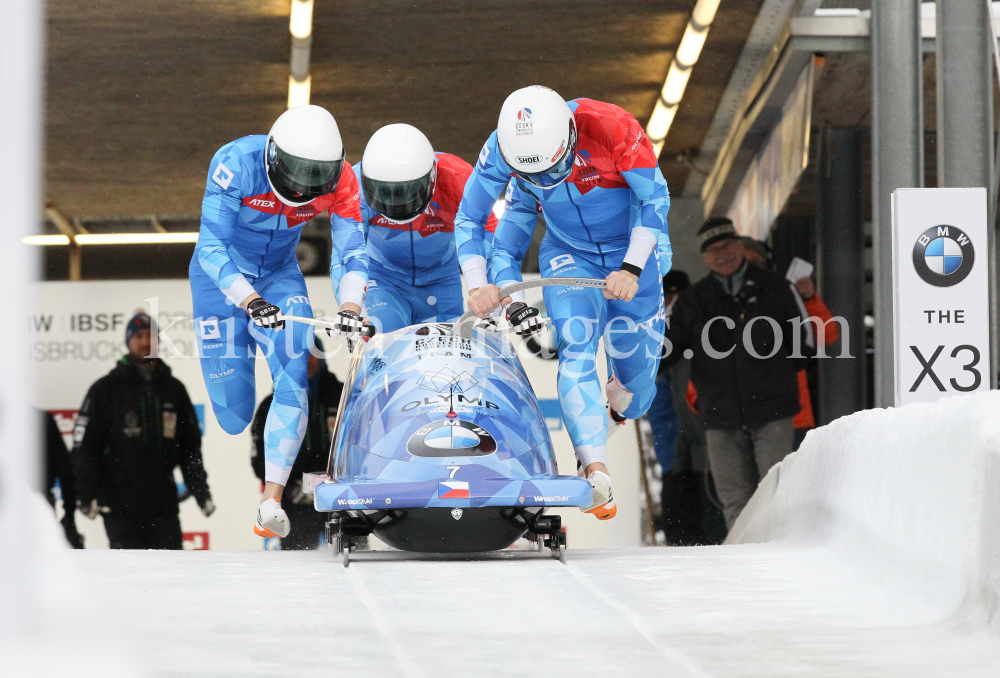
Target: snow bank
(67,631)
(910,495)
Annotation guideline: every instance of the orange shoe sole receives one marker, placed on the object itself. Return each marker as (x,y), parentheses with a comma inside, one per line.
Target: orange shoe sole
(602,512)
(263,532)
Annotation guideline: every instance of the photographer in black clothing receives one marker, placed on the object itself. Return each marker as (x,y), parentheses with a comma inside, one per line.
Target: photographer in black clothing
(324,398)
(136,425)
(59,468)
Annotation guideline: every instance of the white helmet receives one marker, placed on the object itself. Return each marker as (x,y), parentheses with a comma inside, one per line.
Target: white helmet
(398,172)
(537,136)
(304,155)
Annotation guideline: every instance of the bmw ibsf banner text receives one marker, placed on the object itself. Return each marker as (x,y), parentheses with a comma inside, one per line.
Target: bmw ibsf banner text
(940,292)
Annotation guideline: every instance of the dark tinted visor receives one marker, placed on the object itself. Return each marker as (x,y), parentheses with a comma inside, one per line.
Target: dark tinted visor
(398,200)
(559,172)
(301,179)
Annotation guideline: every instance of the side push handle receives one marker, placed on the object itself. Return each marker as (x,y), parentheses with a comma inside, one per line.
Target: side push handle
(463,327)
(367,331)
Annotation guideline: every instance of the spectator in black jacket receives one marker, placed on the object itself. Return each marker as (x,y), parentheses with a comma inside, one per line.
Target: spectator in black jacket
(747,401)
(324,399)
(662,413)
(136,425)
(59,468)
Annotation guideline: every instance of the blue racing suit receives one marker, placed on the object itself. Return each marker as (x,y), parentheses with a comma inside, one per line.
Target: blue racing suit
(413,273)
(247,244)
(612,209)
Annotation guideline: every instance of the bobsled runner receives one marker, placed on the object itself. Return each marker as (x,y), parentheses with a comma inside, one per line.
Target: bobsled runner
(440,446)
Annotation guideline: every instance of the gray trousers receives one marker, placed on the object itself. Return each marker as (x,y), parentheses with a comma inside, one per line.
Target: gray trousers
(740,457)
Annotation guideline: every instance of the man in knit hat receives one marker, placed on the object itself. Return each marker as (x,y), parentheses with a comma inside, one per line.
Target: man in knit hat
(135,426)
(734,325)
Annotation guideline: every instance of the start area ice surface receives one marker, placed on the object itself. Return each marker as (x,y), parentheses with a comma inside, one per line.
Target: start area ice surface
(872,551)
(742,610)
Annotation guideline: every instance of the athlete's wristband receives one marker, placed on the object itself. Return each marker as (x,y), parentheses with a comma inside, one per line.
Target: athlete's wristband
(630,268)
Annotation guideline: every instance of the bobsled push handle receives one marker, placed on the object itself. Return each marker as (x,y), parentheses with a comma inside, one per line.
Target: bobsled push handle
(367,331)
(463,328)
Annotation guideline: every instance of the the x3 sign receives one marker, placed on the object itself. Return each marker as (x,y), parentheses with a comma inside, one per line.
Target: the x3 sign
(940,292)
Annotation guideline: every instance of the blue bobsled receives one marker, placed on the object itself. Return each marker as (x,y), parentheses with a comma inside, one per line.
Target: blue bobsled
(440,446)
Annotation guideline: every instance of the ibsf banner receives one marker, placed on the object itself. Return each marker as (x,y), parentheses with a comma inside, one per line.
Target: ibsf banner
(940,292)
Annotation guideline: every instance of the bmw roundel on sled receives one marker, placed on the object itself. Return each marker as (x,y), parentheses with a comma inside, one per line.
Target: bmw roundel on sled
(440,445)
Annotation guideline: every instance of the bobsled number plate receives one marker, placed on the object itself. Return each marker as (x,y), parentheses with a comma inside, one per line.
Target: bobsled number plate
(375,495)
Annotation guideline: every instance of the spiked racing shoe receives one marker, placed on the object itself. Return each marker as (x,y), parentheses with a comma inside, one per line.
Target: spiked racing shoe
(602,504)
(615,421)
(271,520)
(619,397)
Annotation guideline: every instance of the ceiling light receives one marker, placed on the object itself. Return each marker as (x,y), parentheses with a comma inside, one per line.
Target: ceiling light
(690,47)
(673,88)
(45,240)
(298,91)
(115,239)
(301,21)
(704,12)
(684,60)
(137,238)
(660,122)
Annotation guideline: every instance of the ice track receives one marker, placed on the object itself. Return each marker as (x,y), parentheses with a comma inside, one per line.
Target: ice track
(873,551)
(751,610)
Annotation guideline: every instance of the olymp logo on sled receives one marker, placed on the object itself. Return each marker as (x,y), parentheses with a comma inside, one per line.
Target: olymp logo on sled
(943,256)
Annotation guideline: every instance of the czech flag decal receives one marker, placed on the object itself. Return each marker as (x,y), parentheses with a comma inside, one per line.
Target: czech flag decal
(453,489)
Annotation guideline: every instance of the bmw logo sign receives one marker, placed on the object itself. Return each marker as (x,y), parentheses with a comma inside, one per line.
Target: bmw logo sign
(943,256)
(451,438)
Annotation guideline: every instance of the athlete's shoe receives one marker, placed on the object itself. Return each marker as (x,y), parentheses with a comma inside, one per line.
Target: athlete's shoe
(602,503)
(615,422)
(271,520)
(619,397)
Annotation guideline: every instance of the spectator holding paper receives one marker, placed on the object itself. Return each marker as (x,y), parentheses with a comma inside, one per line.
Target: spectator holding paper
(800,275)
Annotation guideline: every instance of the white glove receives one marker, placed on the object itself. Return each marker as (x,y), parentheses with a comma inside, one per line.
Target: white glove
(488,324)
(347,324)
(265,315)
(526,320)
(208,508)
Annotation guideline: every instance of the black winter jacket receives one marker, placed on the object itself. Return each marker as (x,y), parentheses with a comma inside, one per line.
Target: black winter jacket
(130,435)
(315,450)
(739,390)
(58,465)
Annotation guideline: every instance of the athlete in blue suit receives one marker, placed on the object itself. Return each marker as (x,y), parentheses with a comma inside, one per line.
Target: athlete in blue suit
(244,276)
(409,199)
(591,170)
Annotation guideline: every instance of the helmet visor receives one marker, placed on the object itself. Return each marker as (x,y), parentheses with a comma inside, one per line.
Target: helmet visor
(398,200)
(559,172)
(301,179)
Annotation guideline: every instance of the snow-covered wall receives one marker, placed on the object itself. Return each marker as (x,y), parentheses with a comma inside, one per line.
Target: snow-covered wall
(909,495)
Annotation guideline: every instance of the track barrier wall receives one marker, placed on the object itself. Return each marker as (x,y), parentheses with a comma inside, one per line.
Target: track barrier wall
(911,495)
